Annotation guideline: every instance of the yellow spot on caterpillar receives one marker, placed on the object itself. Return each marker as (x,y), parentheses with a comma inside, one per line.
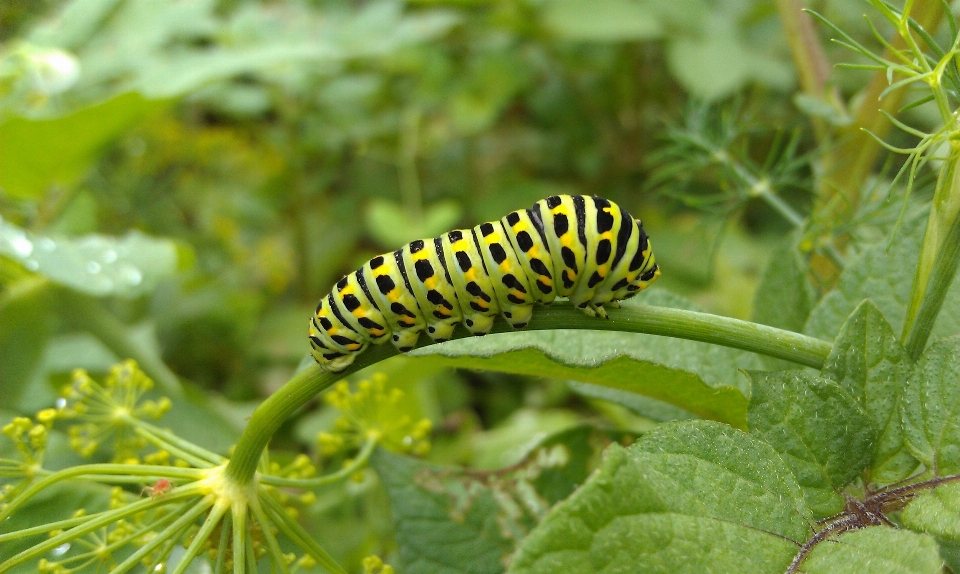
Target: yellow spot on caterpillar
(566,239)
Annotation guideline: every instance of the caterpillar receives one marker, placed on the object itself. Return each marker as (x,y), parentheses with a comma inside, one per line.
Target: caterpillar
(585,248)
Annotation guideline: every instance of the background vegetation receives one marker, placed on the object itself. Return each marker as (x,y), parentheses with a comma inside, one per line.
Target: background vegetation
(180,180)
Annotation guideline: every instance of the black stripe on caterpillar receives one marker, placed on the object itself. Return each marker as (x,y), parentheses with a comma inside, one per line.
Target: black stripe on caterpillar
(586,249)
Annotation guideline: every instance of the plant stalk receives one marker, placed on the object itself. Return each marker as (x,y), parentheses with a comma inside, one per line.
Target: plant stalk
(939,258)
(306,384)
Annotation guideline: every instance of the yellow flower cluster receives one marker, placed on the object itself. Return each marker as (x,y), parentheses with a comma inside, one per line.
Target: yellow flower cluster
(106,413)
(30,441)
(372,413)
(375,565)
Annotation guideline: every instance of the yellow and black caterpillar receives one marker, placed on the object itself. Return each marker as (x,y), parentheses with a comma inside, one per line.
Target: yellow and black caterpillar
(584,248)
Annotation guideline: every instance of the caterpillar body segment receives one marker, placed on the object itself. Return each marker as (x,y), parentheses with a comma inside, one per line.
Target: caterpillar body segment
(478,301)
(584,248)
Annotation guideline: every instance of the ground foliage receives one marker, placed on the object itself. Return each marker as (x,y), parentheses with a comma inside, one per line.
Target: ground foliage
(179,181)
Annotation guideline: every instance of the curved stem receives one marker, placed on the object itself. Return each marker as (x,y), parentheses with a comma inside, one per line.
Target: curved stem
(344,473)
(630,318)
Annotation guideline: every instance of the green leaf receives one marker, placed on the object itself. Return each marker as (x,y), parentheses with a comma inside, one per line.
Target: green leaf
(391,225)
(718,62)
(688,497)
(698,377)
(931,408)
(36,154)
(601,20)
(877,549)
(643,406)
(868,361)
(819,429)
(784,297)
(25,327)
(884,277)
(98,265)
(935,512)
(448,520)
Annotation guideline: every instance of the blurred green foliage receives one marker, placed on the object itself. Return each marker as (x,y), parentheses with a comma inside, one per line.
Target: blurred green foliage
(181,179)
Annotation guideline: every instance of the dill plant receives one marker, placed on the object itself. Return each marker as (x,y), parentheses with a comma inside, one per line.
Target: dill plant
(239,510)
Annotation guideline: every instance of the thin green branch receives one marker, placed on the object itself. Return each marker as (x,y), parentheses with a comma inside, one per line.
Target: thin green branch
(168,533)
(342,474)
(201,536)
(145,471)
(297,534)
(306,384)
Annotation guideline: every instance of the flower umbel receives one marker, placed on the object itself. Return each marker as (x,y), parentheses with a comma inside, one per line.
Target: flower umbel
(371,413)
(177,496)
(110,412)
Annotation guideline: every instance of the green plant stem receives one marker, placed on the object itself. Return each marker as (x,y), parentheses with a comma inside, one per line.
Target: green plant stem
(680,323)
(939,257)
(145,471)
(88,314)
(847,165)
(356,464)
(809,58)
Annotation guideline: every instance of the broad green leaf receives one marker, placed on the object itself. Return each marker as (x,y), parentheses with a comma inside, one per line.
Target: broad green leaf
(98,265)
(36,154)
(512,440)
(931,408)
(885,277)
(718,62)
(391,225)
(688,497)
(868,361)
(818,428)
(875,550)
(784,297)
(643,406)
(697,377)
(601,20)
(935,512)
(451,521)
(25,327)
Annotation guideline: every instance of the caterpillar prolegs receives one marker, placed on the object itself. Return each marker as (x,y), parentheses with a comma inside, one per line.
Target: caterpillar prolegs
(587,249)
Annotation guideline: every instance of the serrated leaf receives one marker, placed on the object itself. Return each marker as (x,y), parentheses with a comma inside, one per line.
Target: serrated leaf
(98,265)
(444,523)
(697,377)
(868,361)
(784,297)
(931,408)
(935,512)
(875,550)
(451,521)
(601,20)
(885,277)
(36,154)
(819,430)
(688,497)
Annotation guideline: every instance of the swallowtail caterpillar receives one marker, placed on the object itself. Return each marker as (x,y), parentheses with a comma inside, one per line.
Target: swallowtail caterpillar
(587,249)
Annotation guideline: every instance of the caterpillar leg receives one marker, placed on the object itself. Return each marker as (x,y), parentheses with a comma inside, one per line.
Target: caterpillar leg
(598,310)
(479,325)
(405,340)
(518,315)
